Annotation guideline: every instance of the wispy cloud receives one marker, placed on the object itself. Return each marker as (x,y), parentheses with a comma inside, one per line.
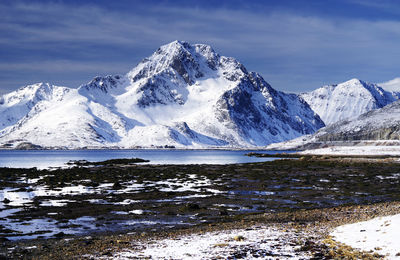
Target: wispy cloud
(58,66)
(389,6)
(294,52)
(391,85)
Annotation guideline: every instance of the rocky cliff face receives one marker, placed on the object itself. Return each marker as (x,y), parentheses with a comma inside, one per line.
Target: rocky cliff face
(256,110)
(183,95)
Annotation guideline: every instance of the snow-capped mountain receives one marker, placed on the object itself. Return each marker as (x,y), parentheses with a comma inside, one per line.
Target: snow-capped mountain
(19,107)
(48,116)
(347,100)
(183,95)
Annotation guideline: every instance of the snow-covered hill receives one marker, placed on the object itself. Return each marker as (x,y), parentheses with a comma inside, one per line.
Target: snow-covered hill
(49,116)
(380,124)
(347,100)
(183,95)
(377,127)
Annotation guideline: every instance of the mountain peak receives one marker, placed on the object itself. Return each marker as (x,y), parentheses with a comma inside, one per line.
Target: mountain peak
(102,83)
(353,81)
(175,45)
(177,57)
(37,90)
(187,62)
(185,65)
(35,86)
(347,100)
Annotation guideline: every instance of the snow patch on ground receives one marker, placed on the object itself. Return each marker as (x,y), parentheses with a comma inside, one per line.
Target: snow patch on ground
(261,242)
(379,234)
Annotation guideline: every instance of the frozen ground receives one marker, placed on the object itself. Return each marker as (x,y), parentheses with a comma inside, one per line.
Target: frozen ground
(380,235)
(261,242)
(357,150)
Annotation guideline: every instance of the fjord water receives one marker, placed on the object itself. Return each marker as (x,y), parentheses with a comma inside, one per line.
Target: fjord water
(42,159)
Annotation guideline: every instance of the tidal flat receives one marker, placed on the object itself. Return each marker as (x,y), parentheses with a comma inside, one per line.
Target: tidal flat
(86,209)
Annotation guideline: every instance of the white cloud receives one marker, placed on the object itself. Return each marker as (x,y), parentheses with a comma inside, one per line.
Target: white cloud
(389,6)
(391,85)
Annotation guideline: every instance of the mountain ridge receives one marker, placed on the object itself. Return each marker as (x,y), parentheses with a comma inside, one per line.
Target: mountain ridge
(183,95)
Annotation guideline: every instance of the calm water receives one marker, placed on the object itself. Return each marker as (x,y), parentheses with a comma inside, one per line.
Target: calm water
(56,158)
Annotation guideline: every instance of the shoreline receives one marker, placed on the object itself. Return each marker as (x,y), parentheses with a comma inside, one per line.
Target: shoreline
(307,230)
(150,148)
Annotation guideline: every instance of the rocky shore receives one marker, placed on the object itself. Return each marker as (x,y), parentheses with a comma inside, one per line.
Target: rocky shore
(273,209)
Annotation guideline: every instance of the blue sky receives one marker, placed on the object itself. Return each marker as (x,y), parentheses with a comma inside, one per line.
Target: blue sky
(296,45)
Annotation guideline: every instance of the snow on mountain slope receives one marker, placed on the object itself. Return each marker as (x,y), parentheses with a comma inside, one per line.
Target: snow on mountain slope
(183,95)
(380,124)
(64,121)
(15,105)
(347,100)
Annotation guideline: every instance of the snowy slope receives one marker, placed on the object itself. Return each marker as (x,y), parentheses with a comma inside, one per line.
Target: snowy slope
(379,124)
(347,100)
(60,118)
(183,95)
(16,105)
(377,127)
